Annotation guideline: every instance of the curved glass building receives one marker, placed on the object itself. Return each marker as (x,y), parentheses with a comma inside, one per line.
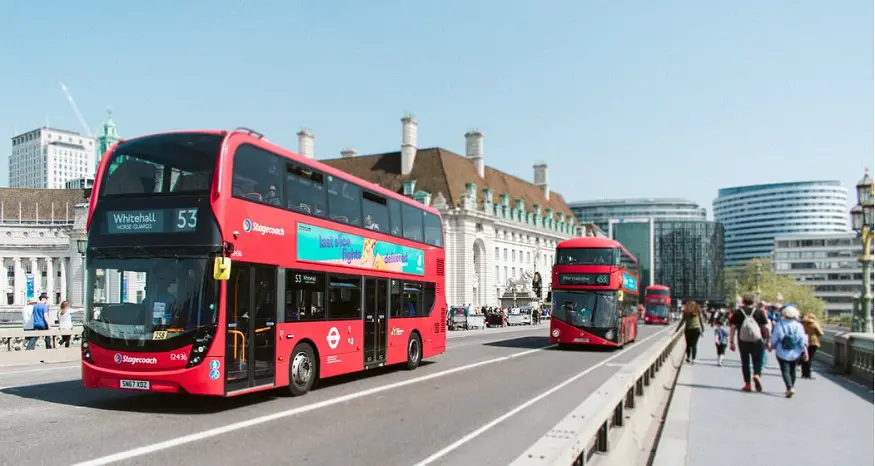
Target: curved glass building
(753,216)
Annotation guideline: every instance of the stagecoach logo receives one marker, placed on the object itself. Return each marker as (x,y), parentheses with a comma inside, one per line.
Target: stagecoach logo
(250,226)
(119,358)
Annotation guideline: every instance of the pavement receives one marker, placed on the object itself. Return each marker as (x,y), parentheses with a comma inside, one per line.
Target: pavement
(463,407)
(828,421)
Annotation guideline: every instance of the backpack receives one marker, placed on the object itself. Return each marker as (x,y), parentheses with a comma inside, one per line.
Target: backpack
(750,328)
(788,341)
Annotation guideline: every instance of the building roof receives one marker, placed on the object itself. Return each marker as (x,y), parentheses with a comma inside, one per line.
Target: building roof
(25,204)
(438,170)
(634,201)
(762,187)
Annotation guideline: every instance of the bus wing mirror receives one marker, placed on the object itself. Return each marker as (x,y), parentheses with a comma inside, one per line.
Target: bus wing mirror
(222,268)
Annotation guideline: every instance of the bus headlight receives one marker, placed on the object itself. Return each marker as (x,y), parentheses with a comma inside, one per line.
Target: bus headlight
(202,342)
(86,351)
(609,335)
(555,333)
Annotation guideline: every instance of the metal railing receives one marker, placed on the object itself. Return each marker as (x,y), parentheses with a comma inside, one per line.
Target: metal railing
(14,339)
(586,433)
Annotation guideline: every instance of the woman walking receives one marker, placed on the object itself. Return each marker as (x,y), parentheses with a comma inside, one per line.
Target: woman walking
(789,342)
(694,324)
(814,332)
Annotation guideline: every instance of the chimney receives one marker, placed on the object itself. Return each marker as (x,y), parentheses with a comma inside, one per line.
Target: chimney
(306,141)
(349,153)
(541,178)
(474,151)
(408,143)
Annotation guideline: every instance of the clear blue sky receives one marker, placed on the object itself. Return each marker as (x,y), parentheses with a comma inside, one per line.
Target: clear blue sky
(620,98)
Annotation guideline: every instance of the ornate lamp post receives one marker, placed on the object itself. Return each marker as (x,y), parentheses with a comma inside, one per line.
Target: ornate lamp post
(82,247)
(861,219)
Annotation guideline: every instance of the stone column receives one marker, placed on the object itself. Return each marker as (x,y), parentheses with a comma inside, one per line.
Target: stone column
(50,278)
(63,265)
(37,277)
(20,284)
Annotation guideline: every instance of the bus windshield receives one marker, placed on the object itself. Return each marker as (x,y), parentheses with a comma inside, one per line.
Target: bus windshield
(657,310)
(139,300)
(658,293)
(586,256)
(597,309)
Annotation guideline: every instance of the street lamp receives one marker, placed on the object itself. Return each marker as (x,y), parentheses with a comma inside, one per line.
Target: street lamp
(82,246)
(759,276)
(861,219)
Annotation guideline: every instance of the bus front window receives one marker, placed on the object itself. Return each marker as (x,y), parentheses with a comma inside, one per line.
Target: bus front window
(657,310)
(596,309)
(139,300)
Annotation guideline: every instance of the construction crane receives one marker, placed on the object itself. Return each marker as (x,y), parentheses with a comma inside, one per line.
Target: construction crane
(76,109)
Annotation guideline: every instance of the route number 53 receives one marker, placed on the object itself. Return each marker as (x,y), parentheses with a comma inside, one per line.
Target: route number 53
(186,219)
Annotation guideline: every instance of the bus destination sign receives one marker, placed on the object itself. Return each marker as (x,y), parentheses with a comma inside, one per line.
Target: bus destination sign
(597,279)
(139,222)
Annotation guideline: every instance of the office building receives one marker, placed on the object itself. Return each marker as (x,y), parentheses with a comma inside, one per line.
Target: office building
(826,262)
(49,157)
(499,229)
(685,255)
(600,212)
(753,216)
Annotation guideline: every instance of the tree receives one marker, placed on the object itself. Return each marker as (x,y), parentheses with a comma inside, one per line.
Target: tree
(771,283)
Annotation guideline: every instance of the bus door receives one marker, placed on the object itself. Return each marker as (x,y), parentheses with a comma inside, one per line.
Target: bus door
(250,342)
(376,320)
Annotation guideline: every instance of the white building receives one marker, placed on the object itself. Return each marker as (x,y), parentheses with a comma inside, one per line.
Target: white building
(48,158)
(499,229)
(39,229)
(828,262)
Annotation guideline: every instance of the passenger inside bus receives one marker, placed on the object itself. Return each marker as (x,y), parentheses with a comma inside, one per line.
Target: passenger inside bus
(160,301)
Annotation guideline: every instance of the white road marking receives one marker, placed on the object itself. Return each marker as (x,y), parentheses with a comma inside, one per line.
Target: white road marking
(471,436)
(155,447)
(43,369)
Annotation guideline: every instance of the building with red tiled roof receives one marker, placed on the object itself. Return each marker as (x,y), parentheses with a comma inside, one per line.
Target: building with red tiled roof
(500,229)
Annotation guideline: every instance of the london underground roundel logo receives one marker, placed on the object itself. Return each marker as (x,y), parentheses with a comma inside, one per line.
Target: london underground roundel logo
(117,358)
(247,225)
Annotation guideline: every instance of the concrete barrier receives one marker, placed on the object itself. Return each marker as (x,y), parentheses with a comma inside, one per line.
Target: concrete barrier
(13,339)
(617,424)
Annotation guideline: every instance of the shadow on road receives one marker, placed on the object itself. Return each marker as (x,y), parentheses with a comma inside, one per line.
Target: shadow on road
(71,393)
(530,342)
(697,386)
(820,369)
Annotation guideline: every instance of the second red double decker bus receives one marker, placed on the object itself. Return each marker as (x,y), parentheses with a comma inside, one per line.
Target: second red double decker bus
(595,293)
(221,264)
(657,305)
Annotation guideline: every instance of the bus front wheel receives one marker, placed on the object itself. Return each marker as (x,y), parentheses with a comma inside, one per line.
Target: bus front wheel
(414,351)
(302,369)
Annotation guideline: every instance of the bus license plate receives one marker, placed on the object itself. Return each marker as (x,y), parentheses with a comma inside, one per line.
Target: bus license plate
(135,384)
(581,340)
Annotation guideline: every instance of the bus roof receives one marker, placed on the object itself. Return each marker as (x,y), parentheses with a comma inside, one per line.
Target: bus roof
(312,163)
(589,242)
(658,287)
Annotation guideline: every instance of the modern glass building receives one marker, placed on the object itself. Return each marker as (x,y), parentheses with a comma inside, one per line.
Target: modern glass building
(602,211)
(689,259)
(685,255)
(754,215)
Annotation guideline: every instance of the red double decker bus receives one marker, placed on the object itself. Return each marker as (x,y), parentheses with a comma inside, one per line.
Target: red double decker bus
(220,264)
(657,304)
(595,293)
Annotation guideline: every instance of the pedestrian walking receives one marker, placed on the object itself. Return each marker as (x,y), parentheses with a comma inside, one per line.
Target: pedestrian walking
(770,311)
(40,322)
(693,324)
(790,342)
(814,332)
(721,339)
(748,324)
(65,322)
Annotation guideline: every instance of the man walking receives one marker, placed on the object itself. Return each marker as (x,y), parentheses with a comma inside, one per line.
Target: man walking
(40,321)
(750,325)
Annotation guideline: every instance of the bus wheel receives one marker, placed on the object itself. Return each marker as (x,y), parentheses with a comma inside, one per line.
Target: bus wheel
(414,351)
(302,369)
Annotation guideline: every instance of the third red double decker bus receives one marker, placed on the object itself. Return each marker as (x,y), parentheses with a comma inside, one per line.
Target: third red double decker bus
(221,264)
(595,293)
(657,305)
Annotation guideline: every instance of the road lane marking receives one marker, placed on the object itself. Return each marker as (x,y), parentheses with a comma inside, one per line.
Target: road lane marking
(155,447)
(43,369)
(474,434)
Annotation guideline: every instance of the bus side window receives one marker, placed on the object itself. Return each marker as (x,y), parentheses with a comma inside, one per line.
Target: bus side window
(305,296)
(344,202)
(394,217)
(305,191)
(256,171)
(412,222)
(376,212)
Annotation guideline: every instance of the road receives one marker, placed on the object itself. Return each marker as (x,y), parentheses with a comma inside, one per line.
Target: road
(482,402)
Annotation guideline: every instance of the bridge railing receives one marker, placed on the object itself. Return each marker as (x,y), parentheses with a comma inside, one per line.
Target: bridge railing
(14,338)
(850,354)
(599,428)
